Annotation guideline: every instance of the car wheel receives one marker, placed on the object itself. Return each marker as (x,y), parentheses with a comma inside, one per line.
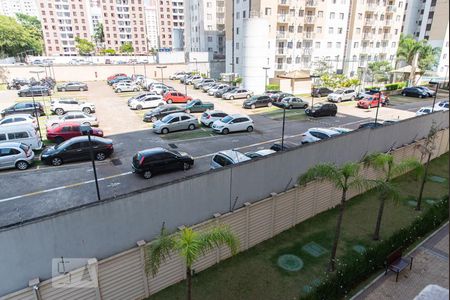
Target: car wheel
(87,110)
(226,131)
(165,131)
(22,165)
(100,156)
(306,106)
(63,90)
(369,106)
(290,107)
(81,89)
(59,111)
(231,98)
(249,128)
(36,114)
(118,91)
(56,161)
(59,140)
(170,101)
(339,100)
(154,119)
(87,124)
(420,96)
(404,94)
(139,107)
(269,104)
(186,166)
(188,111)
(191,127)
(147,174)
(353,98)
(253,106)
(319,95)
(249,96)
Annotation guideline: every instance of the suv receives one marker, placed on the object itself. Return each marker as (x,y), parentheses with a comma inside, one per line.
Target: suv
(24,108)
(321,92)
(15,155)
(280,96)
(414,92)
(257,101)
(201,83)
(226,158)
(62,106)
(210,116)
(36,90)
(126,87)
(441,106)
(317,134)
(342,95)
(233,123)
(160,160)
(237,94)
(322,110)
(147,101)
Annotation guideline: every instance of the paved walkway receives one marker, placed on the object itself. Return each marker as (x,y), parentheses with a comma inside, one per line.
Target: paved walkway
(430,266)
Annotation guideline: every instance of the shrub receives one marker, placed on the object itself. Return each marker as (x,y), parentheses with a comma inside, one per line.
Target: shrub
(352,269)
(395,86)
(369,88)
(273,87)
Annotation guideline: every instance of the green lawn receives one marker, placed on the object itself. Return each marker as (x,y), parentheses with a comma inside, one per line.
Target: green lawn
(254,274)
(188,135)
(291,114)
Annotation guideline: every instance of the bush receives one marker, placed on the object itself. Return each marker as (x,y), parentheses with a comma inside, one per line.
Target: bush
(369,88)
(273,87)
(395,86)
(352,270)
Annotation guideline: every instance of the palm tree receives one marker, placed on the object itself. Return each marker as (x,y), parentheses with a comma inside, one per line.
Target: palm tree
(190,245)
(344,178)
(386,188)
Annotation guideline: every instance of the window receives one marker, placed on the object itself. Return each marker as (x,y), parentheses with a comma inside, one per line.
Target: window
(17,135)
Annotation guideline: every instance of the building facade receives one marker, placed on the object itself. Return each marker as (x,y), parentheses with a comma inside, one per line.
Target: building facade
(170,17)
(151,24)
(11,7)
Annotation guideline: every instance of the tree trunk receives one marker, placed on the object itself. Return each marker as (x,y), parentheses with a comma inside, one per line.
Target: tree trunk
(332,265)
(376,235)
(422,186)
(189,283)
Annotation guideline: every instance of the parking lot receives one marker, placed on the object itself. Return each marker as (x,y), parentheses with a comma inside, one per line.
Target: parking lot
(45,189)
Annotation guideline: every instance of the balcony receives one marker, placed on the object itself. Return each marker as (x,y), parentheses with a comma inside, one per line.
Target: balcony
(310,20)
(309,35)
(282,35)
(387,36)
(391,8)
(388,22)
(369,22)
(371,6)
(283,18)
(367,36)
(284,2)
(311,4)
(281,52)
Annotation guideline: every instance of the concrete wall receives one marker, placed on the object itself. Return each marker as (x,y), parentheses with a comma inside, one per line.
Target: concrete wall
(102,229)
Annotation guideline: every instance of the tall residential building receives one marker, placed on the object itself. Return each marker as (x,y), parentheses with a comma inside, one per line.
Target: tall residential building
(288,35)
(94,15)
(205,26)
(151,24)
(428,20)
(171,17)
(11,7)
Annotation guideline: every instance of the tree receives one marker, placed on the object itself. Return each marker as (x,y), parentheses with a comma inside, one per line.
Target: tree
(190,245)
(99,36)
(322,67)
(127,48)
(16,38)
(109,51)
(84,46)
(379,71)
(344,178)
(386,188)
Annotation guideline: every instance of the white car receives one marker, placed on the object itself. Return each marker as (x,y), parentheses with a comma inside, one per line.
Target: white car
(226,158)
(127,87)
(233,123)
(80,117)
(317,134)
(441,106)
(19,119)
(424,111)
(177,75)
(210,116)
(158,88)
(114,85)
(342,95)
(260,153)
(341,130)
(148,101)
(61,106)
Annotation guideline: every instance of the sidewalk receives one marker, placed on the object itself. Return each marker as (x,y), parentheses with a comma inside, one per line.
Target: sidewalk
(430,266)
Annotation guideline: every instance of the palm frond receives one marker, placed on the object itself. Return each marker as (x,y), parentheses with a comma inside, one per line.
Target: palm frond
(158,251)
(378,161)
(322,172)
(389,191)
(408,165)
(362,184)
(217,237)
(189,245)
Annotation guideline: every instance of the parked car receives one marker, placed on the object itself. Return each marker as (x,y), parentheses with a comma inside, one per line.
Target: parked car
(115,76)
(316,134)
(118,79)
(277,147)
(190,79)
(62,106)
(129,81)
(272,92)
(141,95)
(233,123)
(19,119)
(176,97)
(198,106)
(371,125)
(159,88)
(67,130)
(72,86)
(227,158)
(209,86)
(17,83)
(147,101)
(430,92)
(424,111)
(259,153)
(372,92)
(441,106)
(372,101)
(342,95)
(322,110)
(15,155)
(175,122)
(25,134)
(176,75)
(127,87)
(201,83)
(221,92)
(341,130)
(280,96)
(213,90)
(34,91)
(210,116)
(237,94)
(162,111)
(36,109)
(414,92)
(159,160)
(79,117)
(321,92)
(292,102)
(77,149)
(257,101)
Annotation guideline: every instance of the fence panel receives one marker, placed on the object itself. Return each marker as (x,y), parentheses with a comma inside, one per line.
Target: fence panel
(260,228)
(283,211)
(170,272)
(305,204)
(322,196)
(25,294)
(210,257)
(237,221)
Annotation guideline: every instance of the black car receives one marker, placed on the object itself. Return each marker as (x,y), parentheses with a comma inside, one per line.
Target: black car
(17,84)
(370,125)
(33,91)
(430,93)
(77,149)
(24,108)
(280,96)
(160,160)
(220,92)
(321,92)
(162,111)
(257,101)
(286,145)
(322,110)
(414,92)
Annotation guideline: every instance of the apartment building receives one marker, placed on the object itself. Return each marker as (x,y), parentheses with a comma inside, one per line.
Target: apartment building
(429,19)
(11,7)
(151,24)
(170,18)
(205,26)
(94,15)
(298,33)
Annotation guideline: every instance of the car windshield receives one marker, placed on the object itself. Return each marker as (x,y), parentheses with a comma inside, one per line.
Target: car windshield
(166,119)
(317,106)
(339,92)
(63,144)
(227,119)
(254,98)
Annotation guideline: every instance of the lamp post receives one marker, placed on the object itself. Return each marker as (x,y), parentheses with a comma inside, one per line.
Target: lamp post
(85,129)
(378,108)
(265,82)
(185,85)
(162,72)
(37,74)
(313,77)
(435,94)
(283,128)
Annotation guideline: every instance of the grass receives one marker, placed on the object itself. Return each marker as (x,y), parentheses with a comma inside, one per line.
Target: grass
(3,87)
(188,135)
(254,274)
(291,114)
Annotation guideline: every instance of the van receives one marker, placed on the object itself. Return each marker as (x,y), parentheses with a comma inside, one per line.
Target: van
(25,134)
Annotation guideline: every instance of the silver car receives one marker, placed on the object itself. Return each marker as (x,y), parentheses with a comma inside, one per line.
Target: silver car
(15,155)
(226,158)
(238,94)
(175,122)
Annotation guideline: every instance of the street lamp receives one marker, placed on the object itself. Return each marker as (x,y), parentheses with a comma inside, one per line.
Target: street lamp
(185,85)
(36,114)
(435,94)
(87,130)
(162,72)
(37,74)
(313,77)
(265,82)
(378,108)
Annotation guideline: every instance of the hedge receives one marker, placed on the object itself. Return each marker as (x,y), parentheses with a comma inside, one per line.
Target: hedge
(273,87)
(353,270)
(395,86)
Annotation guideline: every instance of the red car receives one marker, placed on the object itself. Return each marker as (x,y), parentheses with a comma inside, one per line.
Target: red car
(116,75)
(372,101)
(176,97)
(65,131)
